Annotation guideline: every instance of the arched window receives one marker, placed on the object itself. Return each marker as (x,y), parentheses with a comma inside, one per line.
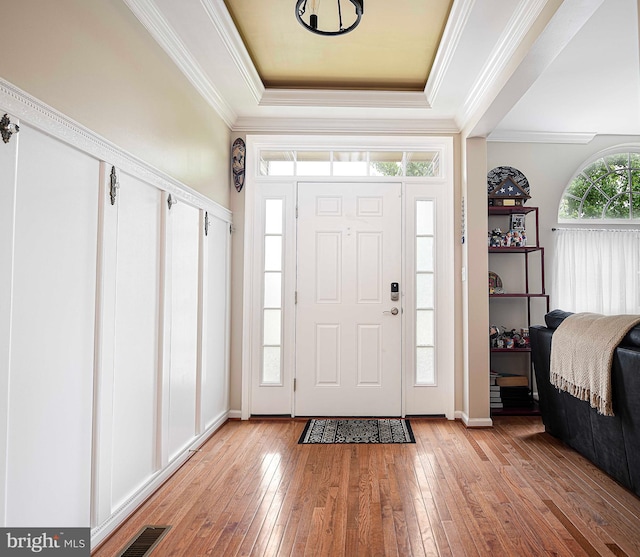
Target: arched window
(605,189)
(597,268)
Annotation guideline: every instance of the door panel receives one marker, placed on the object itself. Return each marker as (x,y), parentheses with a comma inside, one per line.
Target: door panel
(369,355)
(348,343)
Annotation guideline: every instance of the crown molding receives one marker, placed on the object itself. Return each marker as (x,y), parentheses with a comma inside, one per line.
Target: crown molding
(453,31)
(515,31)
(345,126)
(344,98)
(513,136)
(219,16)
(155,23)
(39,115)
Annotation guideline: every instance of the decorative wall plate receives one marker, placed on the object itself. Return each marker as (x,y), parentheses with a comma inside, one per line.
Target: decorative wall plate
(499,174)
(238,151)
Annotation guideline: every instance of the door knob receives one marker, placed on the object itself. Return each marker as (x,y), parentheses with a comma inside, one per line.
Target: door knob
(394,311)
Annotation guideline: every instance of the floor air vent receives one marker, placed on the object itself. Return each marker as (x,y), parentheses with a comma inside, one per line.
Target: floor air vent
(145,541)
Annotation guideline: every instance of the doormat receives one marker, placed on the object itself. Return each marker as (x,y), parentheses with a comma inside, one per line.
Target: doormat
(388,430)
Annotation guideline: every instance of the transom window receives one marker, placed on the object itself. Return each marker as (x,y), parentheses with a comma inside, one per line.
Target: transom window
(350,163)
(606,189)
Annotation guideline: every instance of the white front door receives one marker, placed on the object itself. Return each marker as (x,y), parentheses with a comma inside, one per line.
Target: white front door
(348,327)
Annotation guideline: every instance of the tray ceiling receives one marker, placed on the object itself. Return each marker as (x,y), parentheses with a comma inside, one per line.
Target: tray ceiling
(391,49)
(531,70)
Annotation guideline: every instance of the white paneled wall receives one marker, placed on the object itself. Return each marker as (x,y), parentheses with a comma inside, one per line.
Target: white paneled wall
(214,388)
(114,325)
(52,331)
(129,344)
(136,355)
(183,230)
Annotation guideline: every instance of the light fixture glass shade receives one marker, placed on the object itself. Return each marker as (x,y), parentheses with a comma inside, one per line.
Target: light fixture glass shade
(309,17)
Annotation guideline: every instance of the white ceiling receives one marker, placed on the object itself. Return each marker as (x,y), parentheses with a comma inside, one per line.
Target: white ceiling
(547,70)
(593,86)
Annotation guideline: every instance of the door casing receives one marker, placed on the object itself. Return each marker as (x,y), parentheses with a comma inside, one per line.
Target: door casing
(440,189)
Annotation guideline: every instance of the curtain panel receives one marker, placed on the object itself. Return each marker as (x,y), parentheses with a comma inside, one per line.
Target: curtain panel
(597,270)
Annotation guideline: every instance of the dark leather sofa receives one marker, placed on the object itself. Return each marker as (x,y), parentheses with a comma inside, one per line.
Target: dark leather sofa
(611,442)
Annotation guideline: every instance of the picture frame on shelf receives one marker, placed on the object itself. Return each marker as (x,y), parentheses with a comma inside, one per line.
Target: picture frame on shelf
(495,284)
(518,221)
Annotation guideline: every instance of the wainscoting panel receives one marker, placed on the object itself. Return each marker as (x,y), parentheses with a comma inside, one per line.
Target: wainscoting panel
(183,234)
(135,373)
(114,323)
(214,389)
(48,476)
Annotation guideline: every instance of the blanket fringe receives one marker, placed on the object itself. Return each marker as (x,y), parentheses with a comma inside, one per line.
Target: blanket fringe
(603,406)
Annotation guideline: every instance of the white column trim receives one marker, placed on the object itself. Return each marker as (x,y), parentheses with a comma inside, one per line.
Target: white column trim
(102,452)
(164,344)
(9,165)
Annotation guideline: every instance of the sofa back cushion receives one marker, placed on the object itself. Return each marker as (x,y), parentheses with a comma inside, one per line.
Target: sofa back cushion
(557,316)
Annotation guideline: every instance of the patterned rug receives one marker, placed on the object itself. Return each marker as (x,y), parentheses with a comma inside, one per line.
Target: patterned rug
(388,430)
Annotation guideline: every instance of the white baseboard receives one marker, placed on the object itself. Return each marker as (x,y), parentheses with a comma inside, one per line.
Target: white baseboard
(100,533)
(474,422)
(235,414)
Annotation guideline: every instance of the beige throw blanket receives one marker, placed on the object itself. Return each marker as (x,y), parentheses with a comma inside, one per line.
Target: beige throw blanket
(582,352)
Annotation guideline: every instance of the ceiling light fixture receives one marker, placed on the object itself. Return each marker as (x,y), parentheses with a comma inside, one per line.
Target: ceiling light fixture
(312,23)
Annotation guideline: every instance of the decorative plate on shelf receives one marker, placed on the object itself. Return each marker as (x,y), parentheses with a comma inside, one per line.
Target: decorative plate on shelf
(495,284)
(499,174)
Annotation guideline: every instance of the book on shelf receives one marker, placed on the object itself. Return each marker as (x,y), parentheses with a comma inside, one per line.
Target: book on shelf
(507,403)
(505,380)
(514,397)
(514,392)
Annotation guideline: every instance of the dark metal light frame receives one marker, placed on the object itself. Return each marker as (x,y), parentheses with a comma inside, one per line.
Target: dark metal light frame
(301,7)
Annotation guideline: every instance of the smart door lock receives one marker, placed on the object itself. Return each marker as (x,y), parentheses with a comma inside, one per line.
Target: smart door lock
(395,291)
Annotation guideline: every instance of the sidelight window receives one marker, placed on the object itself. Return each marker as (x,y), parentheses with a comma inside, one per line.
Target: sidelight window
(272,298)
(424,285)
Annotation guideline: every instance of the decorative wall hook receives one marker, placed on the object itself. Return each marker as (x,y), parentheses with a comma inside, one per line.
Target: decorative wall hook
(114,185)
(171,201)
(7,128)
(206,223)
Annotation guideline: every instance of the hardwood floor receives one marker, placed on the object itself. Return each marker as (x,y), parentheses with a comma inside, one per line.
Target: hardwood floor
(511,490)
